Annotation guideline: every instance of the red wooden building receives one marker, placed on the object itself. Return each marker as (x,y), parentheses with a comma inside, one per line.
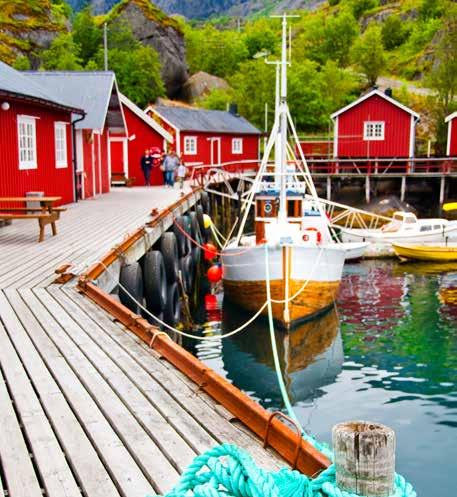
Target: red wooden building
(209,137)
(451,147)
(97,94)
(374,126)
(143,133)
(35,138)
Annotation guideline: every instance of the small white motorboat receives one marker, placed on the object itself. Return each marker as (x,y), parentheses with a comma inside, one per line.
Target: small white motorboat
(405,227)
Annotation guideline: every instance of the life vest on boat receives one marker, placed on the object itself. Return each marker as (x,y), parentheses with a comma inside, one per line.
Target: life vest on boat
(318,234)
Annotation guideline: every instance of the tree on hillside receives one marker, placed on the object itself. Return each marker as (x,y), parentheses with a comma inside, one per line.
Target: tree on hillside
(259,36)
(368,53)
(87,34)
(137,67)
(340,33)
(22,63)
(62,55)
(443,78)
(394,32)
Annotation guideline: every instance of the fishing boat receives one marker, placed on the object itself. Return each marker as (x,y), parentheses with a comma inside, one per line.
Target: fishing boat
(293,254)
(405,227)
(432,252)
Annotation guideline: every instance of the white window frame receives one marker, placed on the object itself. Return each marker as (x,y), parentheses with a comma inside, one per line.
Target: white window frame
(374,130)
(61,162)
(30,150)
(237,146)
(190,145)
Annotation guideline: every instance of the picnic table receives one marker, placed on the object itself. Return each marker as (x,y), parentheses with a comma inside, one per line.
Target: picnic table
(46,213)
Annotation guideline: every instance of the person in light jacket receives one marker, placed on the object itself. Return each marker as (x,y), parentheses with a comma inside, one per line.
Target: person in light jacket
(170,164)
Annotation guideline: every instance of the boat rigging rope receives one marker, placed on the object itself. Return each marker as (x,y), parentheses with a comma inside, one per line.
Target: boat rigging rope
(180,332)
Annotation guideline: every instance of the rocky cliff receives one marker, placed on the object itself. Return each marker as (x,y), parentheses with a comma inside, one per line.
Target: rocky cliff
(153,28)
(27,26)
(202,9)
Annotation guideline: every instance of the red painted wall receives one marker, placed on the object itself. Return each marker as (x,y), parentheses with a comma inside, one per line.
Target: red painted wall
(46,178)
(396,136)
(453,138)
(145,137)
(117,157)
(88,174)
(96,163)
(250,148)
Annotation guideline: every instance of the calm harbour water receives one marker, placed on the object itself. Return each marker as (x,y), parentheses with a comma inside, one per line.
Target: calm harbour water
(387,354)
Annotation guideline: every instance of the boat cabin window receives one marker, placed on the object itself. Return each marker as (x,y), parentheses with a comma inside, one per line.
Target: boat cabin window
(427,227)
(438,227)
(294,208)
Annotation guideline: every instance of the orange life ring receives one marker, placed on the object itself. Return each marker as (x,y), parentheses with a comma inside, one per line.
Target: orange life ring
(312,228)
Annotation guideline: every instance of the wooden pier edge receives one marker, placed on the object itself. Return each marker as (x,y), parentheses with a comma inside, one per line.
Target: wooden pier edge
(290,445)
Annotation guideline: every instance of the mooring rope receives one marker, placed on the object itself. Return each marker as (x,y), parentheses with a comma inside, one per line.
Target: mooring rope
(228,471)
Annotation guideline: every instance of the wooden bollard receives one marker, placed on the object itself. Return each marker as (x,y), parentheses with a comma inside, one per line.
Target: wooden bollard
(364,458)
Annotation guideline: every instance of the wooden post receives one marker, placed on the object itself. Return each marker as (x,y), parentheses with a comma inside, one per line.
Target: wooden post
(442,186)
(364,458)
(403,188)
(329,188)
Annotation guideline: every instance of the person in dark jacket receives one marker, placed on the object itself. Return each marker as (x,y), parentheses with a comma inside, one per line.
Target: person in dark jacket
(146,166)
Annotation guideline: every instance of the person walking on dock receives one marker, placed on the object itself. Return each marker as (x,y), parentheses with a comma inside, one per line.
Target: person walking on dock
(181,174)
(146,166)
(170,164)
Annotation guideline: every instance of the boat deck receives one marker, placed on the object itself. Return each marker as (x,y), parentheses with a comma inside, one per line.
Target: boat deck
(85,407)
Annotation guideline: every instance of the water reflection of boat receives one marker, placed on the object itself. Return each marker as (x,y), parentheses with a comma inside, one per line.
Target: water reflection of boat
(311,356)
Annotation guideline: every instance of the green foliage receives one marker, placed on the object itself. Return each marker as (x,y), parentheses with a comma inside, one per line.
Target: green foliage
(259,36)
(325,39)
(22,63)
(359,7)
(61,8)
(62,55)
(430,9)
(394,32)
(86,34)
(368,53)
(332,3)
(218,99)
(137,67)
(216,52)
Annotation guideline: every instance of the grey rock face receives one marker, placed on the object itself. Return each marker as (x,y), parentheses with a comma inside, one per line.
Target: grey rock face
(168,42)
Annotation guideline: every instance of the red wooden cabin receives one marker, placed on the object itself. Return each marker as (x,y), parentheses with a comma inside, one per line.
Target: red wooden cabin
(374,126)
(126,151)
(35,138)
(209,137)
(451,147)
(97,94)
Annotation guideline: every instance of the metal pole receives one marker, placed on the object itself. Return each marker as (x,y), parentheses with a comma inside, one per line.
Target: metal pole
(283,122)
(105,44)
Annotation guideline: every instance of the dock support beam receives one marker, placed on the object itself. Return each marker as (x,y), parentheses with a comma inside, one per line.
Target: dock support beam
(329,188)
(367,189)
(403,188)
(442,189)
(364,458)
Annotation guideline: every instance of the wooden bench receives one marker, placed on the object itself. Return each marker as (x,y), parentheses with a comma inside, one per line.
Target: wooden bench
(45,214)
(120,179)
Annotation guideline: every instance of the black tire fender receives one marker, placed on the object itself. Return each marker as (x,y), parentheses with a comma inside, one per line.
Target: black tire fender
(178,227)
(131,277)
(204,200)
(155,281)
(172,310)
(169,250)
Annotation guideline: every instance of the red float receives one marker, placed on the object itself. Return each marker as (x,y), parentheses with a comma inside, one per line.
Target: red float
(214,273)
(209,251)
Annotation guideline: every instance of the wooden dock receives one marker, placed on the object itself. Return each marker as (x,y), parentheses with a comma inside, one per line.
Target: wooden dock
(86,408)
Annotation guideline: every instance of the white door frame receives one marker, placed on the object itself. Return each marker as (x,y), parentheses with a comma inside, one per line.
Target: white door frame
(80,160)
(125,152)
(211,140)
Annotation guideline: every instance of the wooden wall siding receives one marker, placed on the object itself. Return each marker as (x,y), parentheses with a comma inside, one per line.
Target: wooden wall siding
(396,141)
(453,138)
(46,178)
(145,137)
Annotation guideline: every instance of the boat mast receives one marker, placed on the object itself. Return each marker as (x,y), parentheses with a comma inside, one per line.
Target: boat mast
(282,215)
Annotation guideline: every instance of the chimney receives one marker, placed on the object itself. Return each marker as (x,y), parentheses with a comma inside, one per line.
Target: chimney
(388,92)
(233,109)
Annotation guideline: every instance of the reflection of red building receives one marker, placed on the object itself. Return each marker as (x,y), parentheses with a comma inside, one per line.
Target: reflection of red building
(375,125)
(143,133)
(373,296)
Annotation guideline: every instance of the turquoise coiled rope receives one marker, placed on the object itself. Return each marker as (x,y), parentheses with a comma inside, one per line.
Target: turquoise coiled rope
(231,472)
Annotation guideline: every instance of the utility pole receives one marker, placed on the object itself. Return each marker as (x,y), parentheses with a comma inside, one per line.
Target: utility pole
(105,44)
